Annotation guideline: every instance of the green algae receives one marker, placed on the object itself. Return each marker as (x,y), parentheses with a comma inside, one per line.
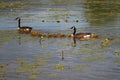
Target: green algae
(1,78)
(32,76)
(15,4)
(58,66)
(53,74)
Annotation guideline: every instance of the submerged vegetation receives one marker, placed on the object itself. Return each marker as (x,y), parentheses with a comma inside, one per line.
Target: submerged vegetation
(14,4)
(101,11)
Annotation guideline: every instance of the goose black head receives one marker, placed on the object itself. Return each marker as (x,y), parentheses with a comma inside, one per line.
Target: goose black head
(17,18)
(73,27)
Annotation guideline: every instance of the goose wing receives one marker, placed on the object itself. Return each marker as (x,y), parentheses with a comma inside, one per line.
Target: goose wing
(81,35)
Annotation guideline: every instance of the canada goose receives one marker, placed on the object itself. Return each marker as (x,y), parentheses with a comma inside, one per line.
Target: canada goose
(23,29)
(82,35)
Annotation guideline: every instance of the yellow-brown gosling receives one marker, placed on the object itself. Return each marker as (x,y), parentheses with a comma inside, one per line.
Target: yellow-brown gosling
(35,33)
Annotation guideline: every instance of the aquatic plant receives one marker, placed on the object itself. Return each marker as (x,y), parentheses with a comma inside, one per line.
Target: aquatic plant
(1,78)
(48,54)
(14,4)
(21,61)
(93,58)
(3,69)
(23,69)
(35,72)
(4,36)
(77,69)
(81,65)
(53,74)
(58,66)
(32,76)
(2,65)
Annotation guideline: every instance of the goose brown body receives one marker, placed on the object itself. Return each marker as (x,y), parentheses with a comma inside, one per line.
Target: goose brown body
(82,35)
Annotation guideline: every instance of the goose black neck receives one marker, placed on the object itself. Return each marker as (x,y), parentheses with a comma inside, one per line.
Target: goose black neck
(19,20)
(74,30)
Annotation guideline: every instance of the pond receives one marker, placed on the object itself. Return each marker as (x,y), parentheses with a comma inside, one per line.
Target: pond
(27,57)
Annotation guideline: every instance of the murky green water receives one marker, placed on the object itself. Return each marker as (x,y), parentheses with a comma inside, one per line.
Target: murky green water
(25,57)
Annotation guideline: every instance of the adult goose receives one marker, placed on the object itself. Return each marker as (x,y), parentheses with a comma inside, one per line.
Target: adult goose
(82,35)
(23,29)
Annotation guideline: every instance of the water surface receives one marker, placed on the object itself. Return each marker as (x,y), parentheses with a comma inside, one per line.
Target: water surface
(25,57)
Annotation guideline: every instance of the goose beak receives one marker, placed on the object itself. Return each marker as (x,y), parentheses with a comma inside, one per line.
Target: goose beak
(17,18)
(72,27)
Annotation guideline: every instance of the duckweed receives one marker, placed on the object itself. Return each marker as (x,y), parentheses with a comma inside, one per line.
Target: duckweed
(13,4)
(21,60)
(4,37)
(63,44)
(2,65)
(84,50)
(81,65)
(1,78)
(32,76)
(72,52)
(3,71)
(58,66)
(77,69)
(42,46)
(35,72)
(36,64)
(23,69)
(48,54)
(53,75)
(27,67)
(93,59)
(38,59)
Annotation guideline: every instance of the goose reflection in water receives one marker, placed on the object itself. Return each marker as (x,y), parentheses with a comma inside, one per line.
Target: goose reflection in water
(40,42)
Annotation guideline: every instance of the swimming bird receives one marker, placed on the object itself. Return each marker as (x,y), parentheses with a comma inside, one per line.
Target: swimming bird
(82,35)
(23,29)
